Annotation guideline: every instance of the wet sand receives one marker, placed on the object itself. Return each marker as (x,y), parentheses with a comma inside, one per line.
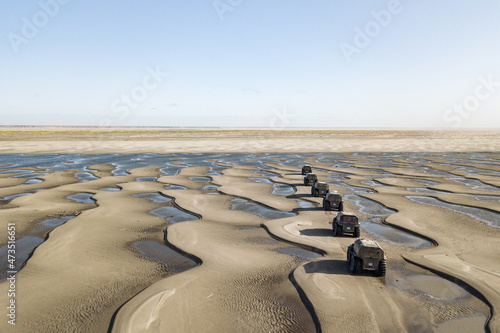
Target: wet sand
(234,242)
(136,140)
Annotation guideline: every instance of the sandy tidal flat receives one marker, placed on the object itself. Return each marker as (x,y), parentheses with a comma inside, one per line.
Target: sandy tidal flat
(236,243)
(46,140)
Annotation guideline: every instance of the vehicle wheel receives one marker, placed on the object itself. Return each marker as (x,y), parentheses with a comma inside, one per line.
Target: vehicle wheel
(357,265)
(312,191)
(348,255)
(382,268)
(335,228)
(305,182)
(351,264)
(327,204)
(356,232)
(316,193)
(341,206)
(340,231)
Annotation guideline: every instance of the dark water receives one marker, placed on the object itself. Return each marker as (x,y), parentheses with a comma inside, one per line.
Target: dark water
(259,210)
(16,163)
(170,212)
(371,183)
(85,198)
(111,189)
(368,206)
(490,218)
(391,235)
(173,261)
(475,184)
(27,244)
(33,181)
(31,175)
(283,189)
(200,179)
(175,187)
(278,188)
(85,176)
(10,197)
(300,254)
(154,197)
(472,196)
(425,182)
(146,179)
(354,189)
(173,214)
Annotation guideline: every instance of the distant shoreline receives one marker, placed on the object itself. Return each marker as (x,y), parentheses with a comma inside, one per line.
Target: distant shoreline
(215,128)
(105,133)
(64,140)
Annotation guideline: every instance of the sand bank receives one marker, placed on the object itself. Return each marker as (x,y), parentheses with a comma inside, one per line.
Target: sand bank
(227,252)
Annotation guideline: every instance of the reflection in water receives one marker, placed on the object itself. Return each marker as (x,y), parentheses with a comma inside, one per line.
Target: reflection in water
(283,189)
(26,245)
(259,210)
(146,179)
(85,198)
(368,206)
(490,218)
(85,176)
(112,189)
(174,214)
(200,179)
(175,187)
(392,236)
(10,197)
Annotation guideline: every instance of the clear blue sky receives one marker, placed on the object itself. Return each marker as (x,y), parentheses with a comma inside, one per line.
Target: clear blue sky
(242,63)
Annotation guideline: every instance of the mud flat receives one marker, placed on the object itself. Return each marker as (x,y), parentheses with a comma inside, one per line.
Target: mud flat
(139,242)
(138,140)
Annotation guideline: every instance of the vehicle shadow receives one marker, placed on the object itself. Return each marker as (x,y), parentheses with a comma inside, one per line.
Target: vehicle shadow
(312,209)
(299,184)
(321,232)
(331,266)
(299,196)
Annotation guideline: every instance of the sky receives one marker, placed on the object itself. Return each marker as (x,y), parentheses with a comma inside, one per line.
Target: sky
(241,63)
